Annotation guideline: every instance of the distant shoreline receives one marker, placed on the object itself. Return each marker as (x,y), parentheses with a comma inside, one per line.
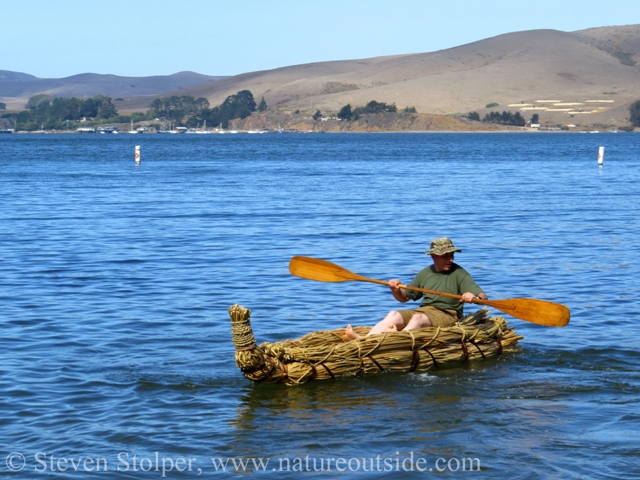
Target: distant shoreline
(336,132)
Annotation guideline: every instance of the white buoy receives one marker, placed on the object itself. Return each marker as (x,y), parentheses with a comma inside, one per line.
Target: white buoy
(600,155)
(137,156)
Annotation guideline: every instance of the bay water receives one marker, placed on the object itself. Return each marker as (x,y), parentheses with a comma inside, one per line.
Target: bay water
(115,280)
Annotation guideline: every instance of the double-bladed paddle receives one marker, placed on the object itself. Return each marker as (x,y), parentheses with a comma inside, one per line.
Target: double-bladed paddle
(528,309)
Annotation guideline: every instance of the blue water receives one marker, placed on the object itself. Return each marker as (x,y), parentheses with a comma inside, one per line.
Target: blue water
(115,280)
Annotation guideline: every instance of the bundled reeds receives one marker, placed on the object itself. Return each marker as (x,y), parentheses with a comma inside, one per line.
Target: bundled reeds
(328,354)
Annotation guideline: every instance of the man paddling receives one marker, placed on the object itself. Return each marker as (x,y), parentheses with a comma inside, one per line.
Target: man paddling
(436,311)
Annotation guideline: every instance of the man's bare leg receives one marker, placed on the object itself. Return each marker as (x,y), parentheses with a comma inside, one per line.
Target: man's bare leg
(391,321)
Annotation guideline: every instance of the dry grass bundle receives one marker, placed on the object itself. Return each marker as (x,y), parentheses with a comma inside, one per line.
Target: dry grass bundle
(328,354)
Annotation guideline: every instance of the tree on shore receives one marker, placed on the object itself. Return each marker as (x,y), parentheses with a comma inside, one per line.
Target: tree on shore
(38,101)
(374,107)
(186,109)
(176,107)
(345,113)
(504,118)
(262,106)
(371,108)
(634,113)
(240,105)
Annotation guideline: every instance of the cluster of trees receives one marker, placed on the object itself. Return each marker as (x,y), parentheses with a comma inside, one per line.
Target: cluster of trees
(193,112)
(45,111)
(373,107)
(240,105)
(175,108)
(56,113)
(634,114)
(504,118)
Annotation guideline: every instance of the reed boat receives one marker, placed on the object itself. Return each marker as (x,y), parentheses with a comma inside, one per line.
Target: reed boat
(324,355)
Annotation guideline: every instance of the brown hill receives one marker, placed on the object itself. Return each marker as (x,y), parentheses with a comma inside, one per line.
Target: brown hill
(584,77)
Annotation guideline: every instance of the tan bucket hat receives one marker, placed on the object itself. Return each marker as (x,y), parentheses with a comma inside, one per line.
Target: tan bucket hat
(442,245)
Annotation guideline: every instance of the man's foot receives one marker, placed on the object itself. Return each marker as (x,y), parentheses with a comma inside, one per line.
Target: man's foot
(350,334)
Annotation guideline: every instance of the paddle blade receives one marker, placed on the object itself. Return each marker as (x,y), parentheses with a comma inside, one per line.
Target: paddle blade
(320,270)
(533,310)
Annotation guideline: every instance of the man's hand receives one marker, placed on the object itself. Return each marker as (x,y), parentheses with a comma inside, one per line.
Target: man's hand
(394,285)
(469,297)
(397,291)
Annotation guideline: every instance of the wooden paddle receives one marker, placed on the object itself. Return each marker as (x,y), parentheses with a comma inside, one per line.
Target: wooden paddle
(529,309)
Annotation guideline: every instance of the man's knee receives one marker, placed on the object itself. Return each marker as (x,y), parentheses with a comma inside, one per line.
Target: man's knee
(395,317)
(419,320)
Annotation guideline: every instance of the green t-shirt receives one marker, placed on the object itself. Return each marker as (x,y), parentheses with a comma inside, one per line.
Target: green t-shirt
(456,281)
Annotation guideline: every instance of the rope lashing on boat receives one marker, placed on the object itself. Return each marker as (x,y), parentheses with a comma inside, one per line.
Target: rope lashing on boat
(241,331)
(265,377)
(328,370)
(433,359)
(465,351)
(376,364)
(478,348)
(415,361)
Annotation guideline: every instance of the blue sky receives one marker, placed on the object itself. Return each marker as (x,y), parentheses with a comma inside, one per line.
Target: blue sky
(59,38)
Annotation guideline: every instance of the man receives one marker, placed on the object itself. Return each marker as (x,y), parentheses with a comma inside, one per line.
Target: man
(436,311)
